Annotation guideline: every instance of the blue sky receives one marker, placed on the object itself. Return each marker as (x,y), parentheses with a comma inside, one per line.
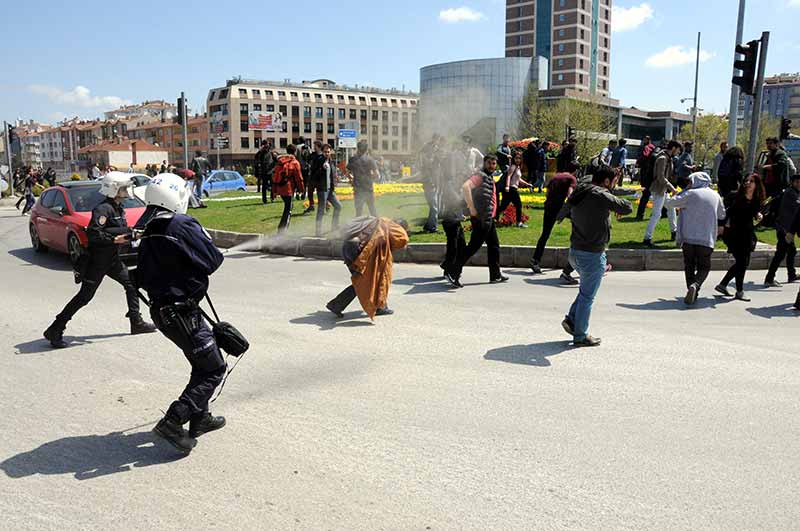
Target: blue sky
(81,58)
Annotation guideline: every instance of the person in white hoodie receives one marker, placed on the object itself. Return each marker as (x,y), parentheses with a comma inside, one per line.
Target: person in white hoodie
(702,214)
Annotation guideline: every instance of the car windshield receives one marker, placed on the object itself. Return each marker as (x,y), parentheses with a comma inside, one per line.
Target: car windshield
(85,198)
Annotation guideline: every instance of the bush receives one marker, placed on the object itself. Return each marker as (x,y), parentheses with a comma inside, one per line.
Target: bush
(75,177)
(250,180)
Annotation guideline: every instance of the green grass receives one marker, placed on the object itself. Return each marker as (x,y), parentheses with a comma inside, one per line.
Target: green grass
(250,216)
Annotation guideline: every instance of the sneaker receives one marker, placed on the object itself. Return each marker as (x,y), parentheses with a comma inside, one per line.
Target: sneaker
(140,326)
(792,279)
(568,327)
(456,283)
(384,311)
(308,210)
(333,310)
(537,270)
(588,341)
(723,290)
(55,335)
(569,279)
(204,424)
(174,434)
(522,226)
(691,295)
(740,296)
(498,280)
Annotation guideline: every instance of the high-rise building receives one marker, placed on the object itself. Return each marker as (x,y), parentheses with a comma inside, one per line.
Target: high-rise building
(572,36)
(781,100)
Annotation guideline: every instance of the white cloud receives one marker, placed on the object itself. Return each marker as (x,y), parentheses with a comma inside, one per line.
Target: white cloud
(677,56)
(454,15)
(629,18)
(79,96)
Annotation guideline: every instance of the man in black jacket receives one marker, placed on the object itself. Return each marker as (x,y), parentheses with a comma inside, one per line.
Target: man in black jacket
(589,208)
(107,231)
(265,165)
(786,250)
(481,199)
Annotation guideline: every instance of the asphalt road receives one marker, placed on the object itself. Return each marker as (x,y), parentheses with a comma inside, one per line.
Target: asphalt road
(465,410)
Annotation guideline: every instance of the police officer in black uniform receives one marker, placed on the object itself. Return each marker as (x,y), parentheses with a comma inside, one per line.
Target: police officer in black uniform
(176,257)
(107,230)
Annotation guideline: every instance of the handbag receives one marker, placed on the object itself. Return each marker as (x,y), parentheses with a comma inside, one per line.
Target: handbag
(227,336)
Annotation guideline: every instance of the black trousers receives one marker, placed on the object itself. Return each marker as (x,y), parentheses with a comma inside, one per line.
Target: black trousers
(287,212)
(738,269)
(343,299)
(185,326)
(643,203)
(310,189)
(99,267)
(548,222)
(481,233)
(266,186)
(784,251)
(509,198)
(456,243)
(696,263)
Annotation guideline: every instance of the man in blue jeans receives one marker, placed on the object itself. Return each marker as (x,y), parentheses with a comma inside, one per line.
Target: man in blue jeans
(589,207)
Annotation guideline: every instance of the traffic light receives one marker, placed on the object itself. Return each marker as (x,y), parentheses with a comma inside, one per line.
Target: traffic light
(181,109)
(12,135)
(747,65)
(786,129)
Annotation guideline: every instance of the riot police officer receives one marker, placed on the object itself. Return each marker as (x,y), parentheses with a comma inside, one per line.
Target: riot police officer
(107,231)
(176,257)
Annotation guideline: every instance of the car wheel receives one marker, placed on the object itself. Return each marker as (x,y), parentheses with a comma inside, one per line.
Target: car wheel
(36,243)
(74,248)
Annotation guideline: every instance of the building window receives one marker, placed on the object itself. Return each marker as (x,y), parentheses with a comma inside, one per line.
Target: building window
(562,3)
(353,114)
(331,129)
(211,96)
(307,127)
(244,126)
(342,114)
(283,141)
(560,48)
(341,98)
(293,94)
(583,34)
(562,33)
(560,62)
(562,18)
(295,111)
(268,93)
(580,79)
(375,115)
(245,143)
(223,94)
(363,114)
(256,93)
(385,116)
(317,97)
(243,109)
(256,107)
(395,145)
(561,77)
(282,109)
(281,93)
(242,93)
(395,130)
(385,128)
(270,108)
(306,95)
(329,97)
(319,127)
(318,112)
(385,145)
(331,113)
(306,112)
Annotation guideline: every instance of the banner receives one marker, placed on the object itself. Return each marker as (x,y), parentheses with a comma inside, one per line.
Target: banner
(271,122)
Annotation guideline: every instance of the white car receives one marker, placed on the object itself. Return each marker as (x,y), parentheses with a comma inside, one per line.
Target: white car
(140,182)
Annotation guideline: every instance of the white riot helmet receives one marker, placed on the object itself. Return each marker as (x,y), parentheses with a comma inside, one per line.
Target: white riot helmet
(168,191)
(115,181)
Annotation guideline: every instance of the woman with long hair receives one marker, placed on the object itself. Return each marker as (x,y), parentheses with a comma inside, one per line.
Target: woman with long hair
(731,171)
(742,208)
(512,182)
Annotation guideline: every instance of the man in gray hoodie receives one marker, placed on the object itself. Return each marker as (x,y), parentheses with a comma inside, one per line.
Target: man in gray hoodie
(699,224)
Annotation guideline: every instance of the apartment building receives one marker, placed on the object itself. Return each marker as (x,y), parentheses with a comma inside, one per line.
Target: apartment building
(158,108)
(169,136)
(314,110)
(781,100)
(573,36)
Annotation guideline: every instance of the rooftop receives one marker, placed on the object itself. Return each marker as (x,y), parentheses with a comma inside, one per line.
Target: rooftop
(320,84)
(121,144)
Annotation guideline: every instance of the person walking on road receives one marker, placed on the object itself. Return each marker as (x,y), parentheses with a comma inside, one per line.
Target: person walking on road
(481,199)
(559,190)
(646,165)
(700,220)
(287,180)
(513,181)
(742,208)
(786,250)
(107,231)
(363,170)
(589,208)
(324,180)
(367,249)
(175,259)
(659,189)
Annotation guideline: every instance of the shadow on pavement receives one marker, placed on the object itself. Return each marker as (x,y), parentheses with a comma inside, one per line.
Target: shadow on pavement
(325,320)
(51,260)
(535,354)
(41,345)
(425,285)
(780,310)
(554,282)
(678,304)
(92,456)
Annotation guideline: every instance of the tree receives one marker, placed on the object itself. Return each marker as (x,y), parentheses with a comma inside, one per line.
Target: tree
(594,123)
(770,126)
(712,130)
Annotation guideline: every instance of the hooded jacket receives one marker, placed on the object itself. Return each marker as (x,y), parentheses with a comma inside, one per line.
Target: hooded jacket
(589,208)
(701,211)
(287,177)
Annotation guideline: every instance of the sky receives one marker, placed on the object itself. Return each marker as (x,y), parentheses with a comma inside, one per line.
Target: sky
(62,59)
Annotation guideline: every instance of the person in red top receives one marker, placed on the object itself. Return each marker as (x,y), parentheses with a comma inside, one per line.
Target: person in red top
(559,189)
(286,179)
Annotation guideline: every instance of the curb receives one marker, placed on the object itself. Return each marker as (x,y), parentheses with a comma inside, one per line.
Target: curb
(519,256)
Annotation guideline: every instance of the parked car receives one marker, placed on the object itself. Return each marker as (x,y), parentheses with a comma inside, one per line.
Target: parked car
(220,181)
(61,214)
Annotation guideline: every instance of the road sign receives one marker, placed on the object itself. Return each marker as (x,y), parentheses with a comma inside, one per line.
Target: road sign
(348,138)
(792,144)
(348,133)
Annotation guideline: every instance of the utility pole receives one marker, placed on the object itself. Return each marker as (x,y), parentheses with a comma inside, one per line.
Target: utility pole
(756,118)
(733,109)
(696,79)
(8,158)
(185,133)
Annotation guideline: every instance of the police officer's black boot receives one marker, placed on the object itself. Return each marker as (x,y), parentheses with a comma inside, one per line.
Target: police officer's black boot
(200,424)
(140,326)
(55,333)
(171,429)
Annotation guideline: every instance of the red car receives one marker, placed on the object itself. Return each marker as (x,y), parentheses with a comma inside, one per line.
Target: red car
(62,213)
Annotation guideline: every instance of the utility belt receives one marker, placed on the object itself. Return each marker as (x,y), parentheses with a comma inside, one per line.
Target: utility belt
(185,317)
